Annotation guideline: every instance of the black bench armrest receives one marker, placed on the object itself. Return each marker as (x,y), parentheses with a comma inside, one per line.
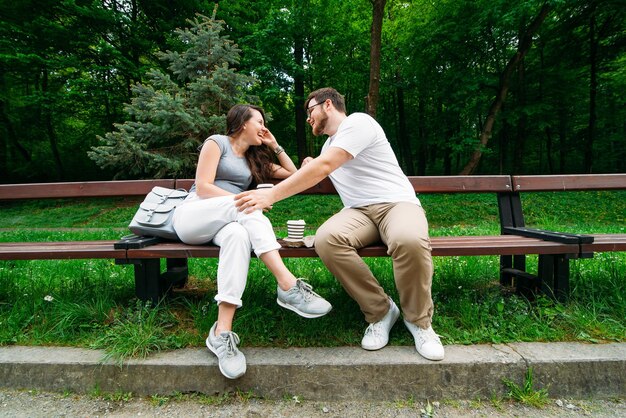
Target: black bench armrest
(129,242)
(562,237)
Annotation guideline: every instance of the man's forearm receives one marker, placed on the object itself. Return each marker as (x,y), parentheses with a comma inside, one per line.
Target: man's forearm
(308,176)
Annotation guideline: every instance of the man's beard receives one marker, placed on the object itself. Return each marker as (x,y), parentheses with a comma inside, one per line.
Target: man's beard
(320,123)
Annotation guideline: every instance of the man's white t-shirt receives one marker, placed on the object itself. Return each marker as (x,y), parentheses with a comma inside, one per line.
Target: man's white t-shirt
(373,175)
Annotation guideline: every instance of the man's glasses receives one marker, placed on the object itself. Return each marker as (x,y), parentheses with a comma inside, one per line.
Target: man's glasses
(309,109)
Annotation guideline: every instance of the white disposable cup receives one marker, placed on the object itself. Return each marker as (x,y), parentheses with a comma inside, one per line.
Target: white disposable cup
(295,229)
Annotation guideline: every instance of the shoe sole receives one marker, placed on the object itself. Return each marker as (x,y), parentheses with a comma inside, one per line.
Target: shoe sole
(397,315)
(431,358)
(299,312)
(210,347)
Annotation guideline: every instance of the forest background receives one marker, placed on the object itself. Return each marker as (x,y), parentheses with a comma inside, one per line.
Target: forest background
(103,89)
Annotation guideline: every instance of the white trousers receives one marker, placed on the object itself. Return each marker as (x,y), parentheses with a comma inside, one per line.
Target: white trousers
(199,221)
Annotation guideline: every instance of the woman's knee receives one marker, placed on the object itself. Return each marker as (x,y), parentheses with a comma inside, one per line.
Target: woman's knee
(234,234)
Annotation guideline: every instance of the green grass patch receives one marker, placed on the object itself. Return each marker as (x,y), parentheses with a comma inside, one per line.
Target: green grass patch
(91,303)
(526,393)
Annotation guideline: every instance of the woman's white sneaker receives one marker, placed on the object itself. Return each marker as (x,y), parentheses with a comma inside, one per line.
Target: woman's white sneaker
(231,361)
(303,300)
(427,342)
(377,334)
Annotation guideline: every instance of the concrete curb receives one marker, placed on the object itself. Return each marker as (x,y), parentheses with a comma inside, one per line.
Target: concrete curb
(574,370)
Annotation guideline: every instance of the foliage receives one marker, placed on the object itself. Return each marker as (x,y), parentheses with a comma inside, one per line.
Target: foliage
(171,114)
(67,69)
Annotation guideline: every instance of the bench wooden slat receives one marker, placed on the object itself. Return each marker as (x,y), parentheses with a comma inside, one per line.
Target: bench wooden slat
(81,189)
(441,246)
(421,184)
(569,182)
(461,184)
(606,242)
(59,250)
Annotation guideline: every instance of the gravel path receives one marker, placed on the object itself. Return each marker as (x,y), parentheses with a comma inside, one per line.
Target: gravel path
(14,403)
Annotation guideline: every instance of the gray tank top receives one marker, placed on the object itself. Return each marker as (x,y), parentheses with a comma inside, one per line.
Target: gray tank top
(233,173)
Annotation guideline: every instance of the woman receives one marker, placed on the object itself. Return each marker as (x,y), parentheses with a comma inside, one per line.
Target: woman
(229,165)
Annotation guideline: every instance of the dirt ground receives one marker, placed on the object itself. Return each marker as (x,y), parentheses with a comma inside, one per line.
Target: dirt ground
(16,403)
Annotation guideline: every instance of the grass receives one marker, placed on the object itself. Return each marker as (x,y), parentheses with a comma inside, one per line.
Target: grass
(526,394)
(91,303)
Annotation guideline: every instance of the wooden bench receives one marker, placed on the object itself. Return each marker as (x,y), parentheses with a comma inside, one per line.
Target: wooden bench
(513,245)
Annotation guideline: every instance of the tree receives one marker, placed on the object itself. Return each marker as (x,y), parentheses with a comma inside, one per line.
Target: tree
(525,43)
(173,113)
(378,8)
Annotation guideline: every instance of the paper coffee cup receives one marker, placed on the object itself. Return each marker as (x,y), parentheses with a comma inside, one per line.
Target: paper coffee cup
(295,229)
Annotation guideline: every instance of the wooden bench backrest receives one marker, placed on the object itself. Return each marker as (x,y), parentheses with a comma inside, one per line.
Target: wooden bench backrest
(424,184)
(81,189)
(427,184)
(569,182)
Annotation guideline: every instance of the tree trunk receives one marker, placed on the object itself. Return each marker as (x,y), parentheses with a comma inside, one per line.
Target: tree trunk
(52,137)
(593,93)
(422,148)
(378,8)
(547,130)
(300,114)
(563,123)
(8,140)
(403,139)
(524,46)
(518,160)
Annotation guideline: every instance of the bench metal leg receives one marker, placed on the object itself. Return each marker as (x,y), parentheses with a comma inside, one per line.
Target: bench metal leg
(148,283)
(177,272)
(554,275)
(510,264)
(506,264)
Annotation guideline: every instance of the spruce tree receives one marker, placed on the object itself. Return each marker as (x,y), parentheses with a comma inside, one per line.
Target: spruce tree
(171,114)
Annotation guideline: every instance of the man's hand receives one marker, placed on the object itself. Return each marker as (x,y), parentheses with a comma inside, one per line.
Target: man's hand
(253,200)
(306,161)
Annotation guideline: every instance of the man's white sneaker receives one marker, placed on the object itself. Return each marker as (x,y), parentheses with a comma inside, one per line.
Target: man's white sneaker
(303,300)
(231,361)
(427,342)
(377,334)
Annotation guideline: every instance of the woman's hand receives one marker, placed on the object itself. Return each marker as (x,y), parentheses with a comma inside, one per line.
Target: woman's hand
(285,166)
(269,140)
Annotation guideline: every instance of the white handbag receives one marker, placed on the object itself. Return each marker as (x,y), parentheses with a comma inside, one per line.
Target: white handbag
(155,213)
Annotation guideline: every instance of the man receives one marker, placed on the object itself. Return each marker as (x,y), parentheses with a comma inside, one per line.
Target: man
(380,205)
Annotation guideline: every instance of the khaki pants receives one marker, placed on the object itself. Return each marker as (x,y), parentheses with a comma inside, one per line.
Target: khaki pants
(404,229)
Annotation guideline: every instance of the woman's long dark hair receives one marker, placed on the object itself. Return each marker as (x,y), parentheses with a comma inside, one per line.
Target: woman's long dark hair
(260,158)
